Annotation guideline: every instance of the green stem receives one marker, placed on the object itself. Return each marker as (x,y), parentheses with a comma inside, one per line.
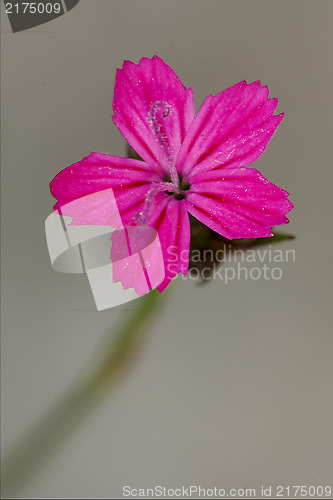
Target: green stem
(84,394)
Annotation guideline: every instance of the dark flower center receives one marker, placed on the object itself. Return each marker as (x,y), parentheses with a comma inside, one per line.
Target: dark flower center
(183,186)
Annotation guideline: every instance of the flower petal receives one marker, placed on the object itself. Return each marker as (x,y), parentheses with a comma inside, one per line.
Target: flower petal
(137,258)
(230,129)
(237,202)
(129,179)
(153,110)
(170,220)
(95,209)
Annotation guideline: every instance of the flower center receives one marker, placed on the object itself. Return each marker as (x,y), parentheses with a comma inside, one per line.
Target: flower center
(183,186)
(177,191)
(173,183)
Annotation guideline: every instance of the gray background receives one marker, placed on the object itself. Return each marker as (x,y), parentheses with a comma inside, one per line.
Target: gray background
(234,385)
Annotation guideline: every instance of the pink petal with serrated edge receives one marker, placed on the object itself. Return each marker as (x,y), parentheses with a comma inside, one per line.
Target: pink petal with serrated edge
(137,258)
(95,209)
(129,179)
(237,202)
(150,98)
(230,129)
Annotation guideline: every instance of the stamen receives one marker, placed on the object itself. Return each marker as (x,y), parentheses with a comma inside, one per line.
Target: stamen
(143,217)
(157,126)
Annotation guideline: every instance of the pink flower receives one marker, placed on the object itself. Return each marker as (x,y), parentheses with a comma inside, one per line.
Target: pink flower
(192,163)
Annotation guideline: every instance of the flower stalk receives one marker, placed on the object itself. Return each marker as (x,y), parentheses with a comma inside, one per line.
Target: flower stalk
(86,392)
